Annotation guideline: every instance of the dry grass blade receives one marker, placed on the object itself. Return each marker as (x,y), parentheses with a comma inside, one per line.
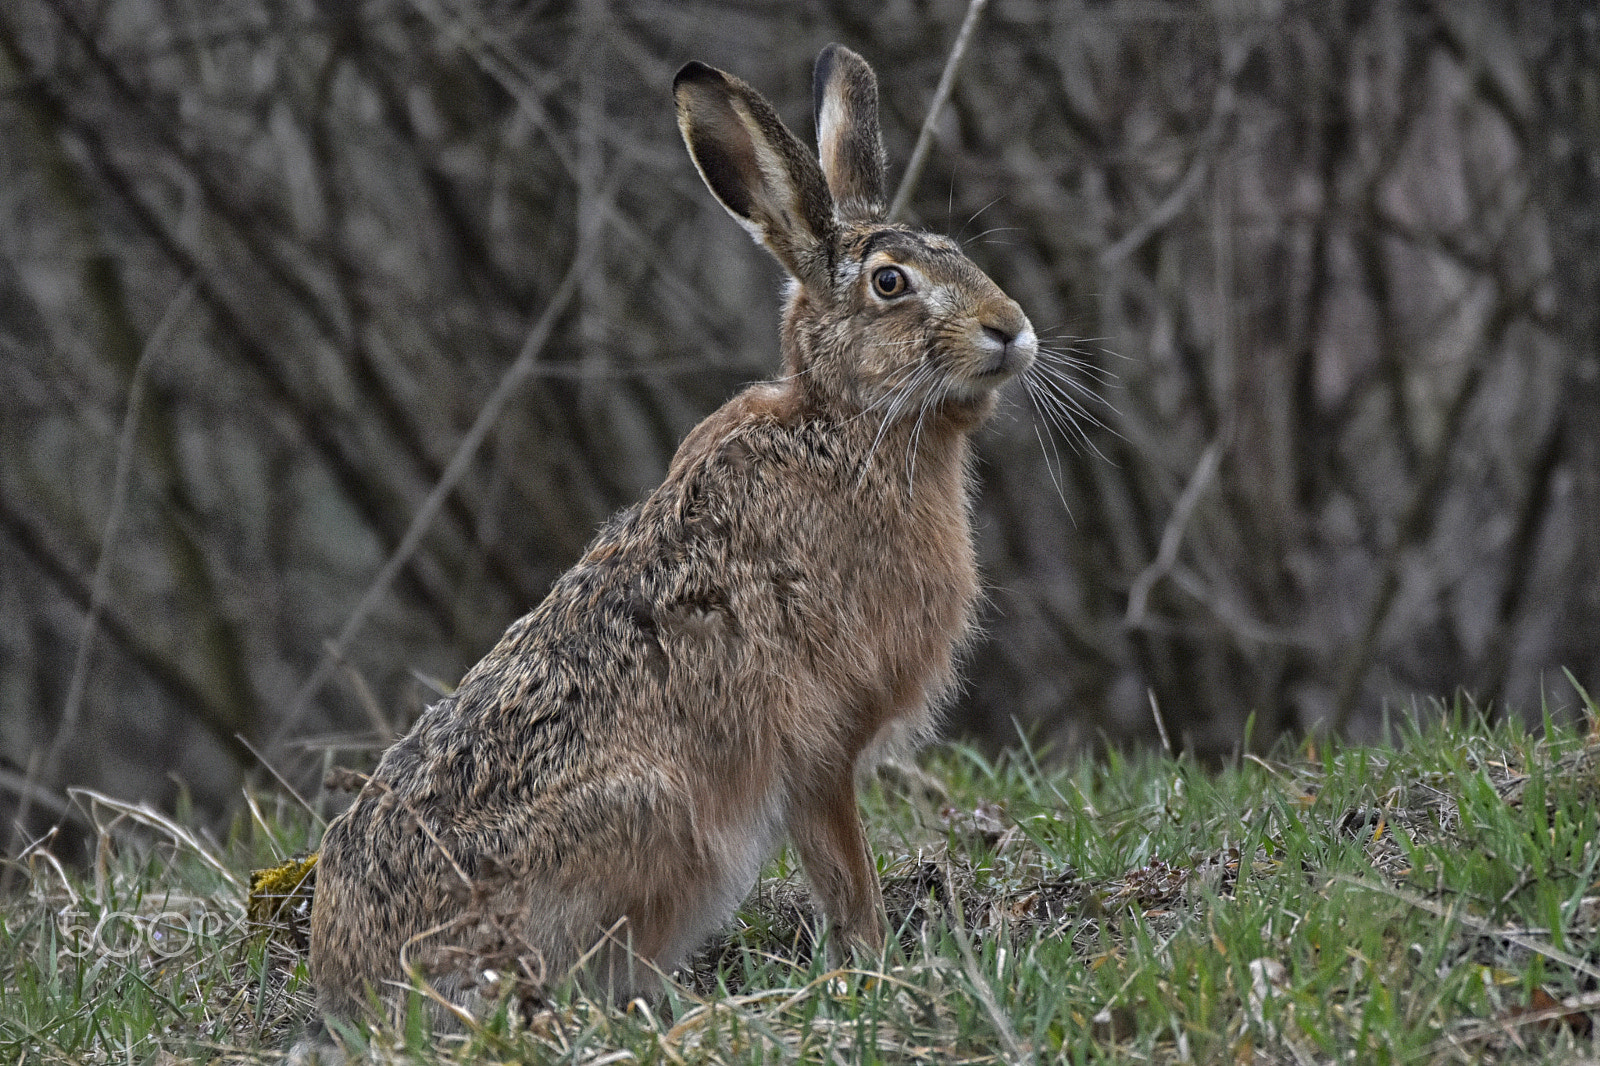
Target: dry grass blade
(146,815)
(1015,1052)
(1457,914)
(1237,952)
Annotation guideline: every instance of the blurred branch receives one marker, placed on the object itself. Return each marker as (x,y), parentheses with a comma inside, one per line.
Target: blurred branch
(1521,556)
(246,222)
(1296,220)
(1172,537)
(363,490)
(101,585)
(373,385)
(941,96)
(365,487)
(1417,517)
(451,205)
(30,793)
(491,57)
(129,639)
(1225,610)
(513,379)
(116,340)
(1222,106)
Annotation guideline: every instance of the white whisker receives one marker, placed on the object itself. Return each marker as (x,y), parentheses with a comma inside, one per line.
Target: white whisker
(1058,473)
(894,386)
(900,394)
(796,376)
(911,452)
(1073,359)
(993,229)
(1063,390)
(973,218)
(1063,400)
(1063,421)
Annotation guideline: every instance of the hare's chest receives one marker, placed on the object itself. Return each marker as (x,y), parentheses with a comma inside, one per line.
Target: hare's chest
(738,846)
(929,593)
(753,839)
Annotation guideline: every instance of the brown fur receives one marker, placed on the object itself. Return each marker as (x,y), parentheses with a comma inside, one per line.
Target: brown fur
(727,655)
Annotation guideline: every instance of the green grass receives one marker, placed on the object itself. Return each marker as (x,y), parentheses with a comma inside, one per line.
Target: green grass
(1432,903)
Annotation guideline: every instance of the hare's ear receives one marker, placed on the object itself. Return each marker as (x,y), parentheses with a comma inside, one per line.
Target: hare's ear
(759,171)
(845,93)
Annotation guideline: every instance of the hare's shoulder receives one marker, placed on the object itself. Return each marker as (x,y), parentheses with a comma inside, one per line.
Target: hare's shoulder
(768,423)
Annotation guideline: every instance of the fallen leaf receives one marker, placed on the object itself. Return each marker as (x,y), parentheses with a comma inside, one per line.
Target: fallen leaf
(1545,1011)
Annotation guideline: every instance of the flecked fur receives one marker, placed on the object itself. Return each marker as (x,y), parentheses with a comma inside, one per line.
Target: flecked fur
(714,672)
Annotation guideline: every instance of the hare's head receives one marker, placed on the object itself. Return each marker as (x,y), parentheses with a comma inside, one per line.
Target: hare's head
(878,313)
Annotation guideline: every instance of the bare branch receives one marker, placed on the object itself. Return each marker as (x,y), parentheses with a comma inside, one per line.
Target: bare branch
(101,585)
(488,415)
(1172,538)
(941,96)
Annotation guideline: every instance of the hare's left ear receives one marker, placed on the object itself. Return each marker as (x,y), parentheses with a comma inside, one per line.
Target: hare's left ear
(760,171)
(845,93)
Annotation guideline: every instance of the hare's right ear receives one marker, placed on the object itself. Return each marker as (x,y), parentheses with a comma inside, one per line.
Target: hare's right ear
(845,97)
(759,170)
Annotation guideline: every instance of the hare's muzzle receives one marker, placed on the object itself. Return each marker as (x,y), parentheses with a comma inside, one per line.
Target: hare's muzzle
(1008,347)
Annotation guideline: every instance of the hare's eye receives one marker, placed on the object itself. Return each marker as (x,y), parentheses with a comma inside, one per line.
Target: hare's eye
(890,282)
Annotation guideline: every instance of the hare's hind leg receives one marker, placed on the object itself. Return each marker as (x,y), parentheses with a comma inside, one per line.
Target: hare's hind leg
(826,829)
(635,886)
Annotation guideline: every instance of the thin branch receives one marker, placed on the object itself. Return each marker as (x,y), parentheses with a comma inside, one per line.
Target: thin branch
(30,791)
(142,813)
(1164,213)
(129,638)
(100,587)
(284,781)
(367,495)
(1222,107)
(941,96)
(402,424)
(466,451)
(1522,557)
(1172,538)
(43,771)
(1235,618)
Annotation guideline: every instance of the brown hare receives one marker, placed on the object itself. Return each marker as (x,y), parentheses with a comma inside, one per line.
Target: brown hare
(714,673)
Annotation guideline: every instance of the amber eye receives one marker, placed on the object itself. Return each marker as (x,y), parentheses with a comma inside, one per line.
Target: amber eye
(890,282)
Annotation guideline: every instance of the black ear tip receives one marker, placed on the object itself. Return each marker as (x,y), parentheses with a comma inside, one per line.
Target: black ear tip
(827,59)
(823,71)
(834,54)
(696,72)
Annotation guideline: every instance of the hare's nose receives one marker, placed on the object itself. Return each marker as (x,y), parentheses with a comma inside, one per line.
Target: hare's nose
(1005,327)
(1010,335)
(1002,336)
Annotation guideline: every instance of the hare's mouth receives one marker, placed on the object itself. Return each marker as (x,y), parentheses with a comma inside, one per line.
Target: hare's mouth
(1006,363)
(982,380)
(999,366)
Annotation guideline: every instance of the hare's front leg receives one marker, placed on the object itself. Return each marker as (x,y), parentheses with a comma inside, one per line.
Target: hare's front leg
(833,851)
